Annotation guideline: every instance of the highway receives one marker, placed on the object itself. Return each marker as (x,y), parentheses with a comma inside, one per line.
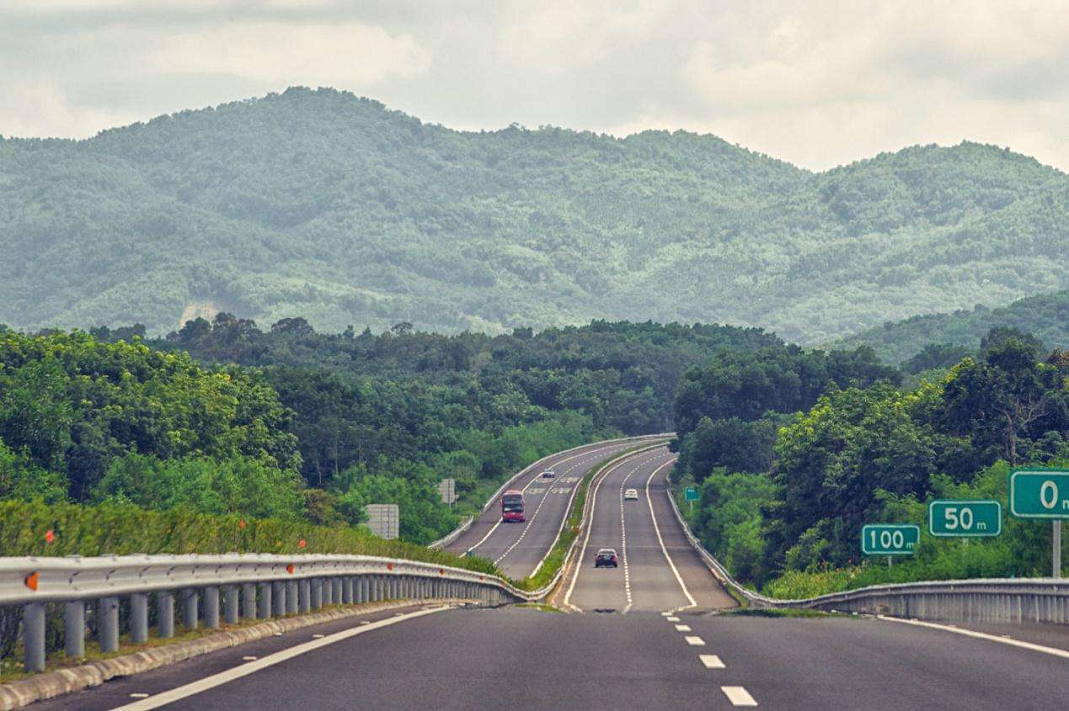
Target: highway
(658,570)
(658,633)
(518,548)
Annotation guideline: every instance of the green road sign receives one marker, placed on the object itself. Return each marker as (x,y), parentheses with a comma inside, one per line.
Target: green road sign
(890,538)
(965,518)
(1039,493)
(690,494)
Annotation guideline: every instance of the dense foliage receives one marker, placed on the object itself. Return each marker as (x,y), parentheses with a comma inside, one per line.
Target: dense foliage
(867,455)
(727,410)
(322,204)
(934,340)
(223,417)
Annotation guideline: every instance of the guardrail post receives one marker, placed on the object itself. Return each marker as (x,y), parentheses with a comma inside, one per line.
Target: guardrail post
(230,605)
(248,601)
(305,595)
(347,590)
(365,588)
(317,593)
(265,602)
(74,629)
(108,624)
(292,597)
(33,636)
(190,600)
(339,590)
(211,608)
(327,587)
(374,589)
(165,613)
(139,618)
(278,598)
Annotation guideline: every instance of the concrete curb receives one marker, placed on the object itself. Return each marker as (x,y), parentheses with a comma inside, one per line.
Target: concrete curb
(63,681)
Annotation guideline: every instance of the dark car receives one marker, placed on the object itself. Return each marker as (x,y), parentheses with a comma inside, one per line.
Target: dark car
(606,558)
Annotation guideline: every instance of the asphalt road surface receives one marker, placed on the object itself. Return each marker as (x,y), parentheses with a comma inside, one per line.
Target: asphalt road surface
(658,569)
(518,548)
(527,658)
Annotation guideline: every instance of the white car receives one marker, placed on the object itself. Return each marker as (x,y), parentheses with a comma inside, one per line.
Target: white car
(631,495)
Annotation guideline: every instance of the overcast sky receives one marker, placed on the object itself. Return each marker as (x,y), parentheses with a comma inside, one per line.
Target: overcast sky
(818,83)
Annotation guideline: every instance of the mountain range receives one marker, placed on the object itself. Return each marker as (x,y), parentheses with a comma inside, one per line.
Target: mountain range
(321,204)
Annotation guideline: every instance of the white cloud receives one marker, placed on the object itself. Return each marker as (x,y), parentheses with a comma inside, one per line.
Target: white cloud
(817,83)
(349,55)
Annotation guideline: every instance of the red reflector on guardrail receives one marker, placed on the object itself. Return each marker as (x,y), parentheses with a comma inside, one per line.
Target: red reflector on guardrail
(31,581)
(289,568)
(389,566)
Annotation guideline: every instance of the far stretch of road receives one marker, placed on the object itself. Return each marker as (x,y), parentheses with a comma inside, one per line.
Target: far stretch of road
(658,568)
(519,548)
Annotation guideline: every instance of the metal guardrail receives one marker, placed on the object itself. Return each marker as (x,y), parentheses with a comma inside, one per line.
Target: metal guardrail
(249,586)
(453,535)
(1039,600)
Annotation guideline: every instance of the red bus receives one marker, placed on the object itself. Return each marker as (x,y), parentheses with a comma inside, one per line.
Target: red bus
(512,506)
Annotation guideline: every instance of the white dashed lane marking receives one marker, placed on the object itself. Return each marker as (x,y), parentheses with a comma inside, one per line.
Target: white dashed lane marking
(672,619)
(711,661)
(738,696)
(682,628)
(695,641)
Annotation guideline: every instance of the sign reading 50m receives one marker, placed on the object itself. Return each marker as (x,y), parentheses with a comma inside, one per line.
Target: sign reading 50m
(1039,493)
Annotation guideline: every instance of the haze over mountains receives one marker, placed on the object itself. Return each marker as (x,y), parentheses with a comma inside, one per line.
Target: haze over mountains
(328,206)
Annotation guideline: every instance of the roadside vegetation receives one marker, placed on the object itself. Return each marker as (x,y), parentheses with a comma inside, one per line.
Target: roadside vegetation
(879,454)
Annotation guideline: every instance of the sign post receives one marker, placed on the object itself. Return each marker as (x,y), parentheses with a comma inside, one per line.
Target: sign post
(964,519)
(691,494)
(890,539)
(1044,494)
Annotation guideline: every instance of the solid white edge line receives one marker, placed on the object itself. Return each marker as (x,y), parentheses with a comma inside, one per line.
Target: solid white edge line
(210,682)
(711,661)
(660,540)
(738,696)
(589,526)
(1053,651)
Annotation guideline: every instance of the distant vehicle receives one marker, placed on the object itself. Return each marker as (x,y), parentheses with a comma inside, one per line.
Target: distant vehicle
(548,474)
(606,558)
(631,495)
(512,506)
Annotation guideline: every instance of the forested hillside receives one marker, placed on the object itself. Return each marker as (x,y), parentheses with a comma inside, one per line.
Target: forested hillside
(224,418)
(873,452)
(324,205)
(1045,316)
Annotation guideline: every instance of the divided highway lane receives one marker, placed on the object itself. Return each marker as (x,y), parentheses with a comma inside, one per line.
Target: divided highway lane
(658,568)
(526,658)
(518,548)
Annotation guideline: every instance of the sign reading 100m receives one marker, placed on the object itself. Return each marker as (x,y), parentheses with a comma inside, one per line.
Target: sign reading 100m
(890,539)
(965,518)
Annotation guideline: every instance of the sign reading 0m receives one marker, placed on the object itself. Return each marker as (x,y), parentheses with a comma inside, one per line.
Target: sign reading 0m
(890,538)
(1039,493)
(964,518)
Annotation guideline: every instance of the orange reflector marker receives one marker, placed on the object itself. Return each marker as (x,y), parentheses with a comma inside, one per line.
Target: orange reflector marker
(289,568)
(31,581)
(441,572)
(389,566)
(49,536)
